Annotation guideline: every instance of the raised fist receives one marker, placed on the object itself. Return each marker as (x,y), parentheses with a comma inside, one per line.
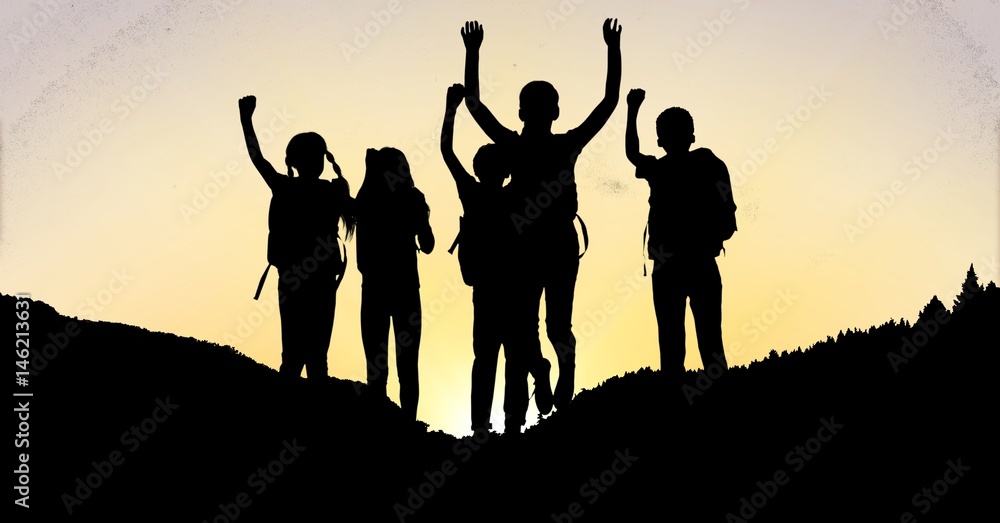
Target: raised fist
(456,93)
(635,97)
(248,104)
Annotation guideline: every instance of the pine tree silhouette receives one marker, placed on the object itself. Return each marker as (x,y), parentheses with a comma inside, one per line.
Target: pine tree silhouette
(932,309)
(970,287)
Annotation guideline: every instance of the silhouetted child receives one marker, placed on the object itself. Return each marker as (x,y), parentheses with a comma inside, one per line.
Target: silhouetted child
(544,182)
(393,223)
(303,244)
(501,299)
(691,212)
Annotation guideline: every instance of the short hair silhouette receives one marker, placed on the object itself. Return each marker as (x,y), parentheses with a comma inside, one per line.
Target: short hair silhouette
(539,101)
(674,125)
(491,165)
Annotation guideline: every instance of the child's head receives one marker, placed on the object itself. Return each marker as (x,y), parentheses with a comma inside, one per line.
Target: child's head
(539,102)
(675,130)
(386,170)
(306,153)
(491,166)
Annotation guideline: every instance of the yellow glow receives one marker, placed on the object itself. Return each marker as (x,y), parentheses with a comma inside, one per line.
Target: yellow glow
(192,270)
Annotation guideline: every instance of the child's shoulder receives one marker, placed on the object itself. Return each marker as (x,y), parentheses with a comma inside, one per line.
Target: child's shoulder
(704,154)
(413,198)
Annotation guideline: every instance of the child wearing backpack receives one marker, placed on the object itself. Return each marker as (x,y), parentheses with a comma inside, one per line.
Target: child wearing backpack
(691,212)
(544,178)
(393,224)
(502,296)
(303,244)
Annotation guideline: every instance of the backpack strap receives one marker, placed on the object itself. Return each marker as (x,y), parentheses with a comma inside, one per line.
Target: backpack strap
(644,232)
(458,237)
(586,238)
(260,286)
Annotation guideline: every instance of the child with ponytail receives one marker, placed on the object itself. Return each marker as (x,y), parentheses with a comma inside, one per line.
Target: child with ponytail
(393,224)
(303,243)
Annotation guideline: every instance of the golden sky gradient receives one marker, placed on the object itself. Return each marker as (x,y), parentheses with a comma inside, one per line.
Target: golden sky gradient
(862,139)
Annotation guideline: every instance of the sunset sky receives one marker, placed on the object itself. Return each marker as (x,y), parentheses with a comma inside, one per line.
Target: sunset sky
(862,140)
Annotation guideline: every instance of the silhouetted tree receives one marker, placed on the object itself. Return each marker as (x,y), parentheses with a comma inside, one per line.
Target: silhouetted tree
(934,309)
(970,287)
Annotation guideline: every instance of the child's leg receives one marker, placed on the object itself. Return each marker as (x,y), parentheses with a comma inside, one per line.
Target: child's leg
(407,324)
(375,336)
(669,303)
(524,329)
(321,288)
(523,352)
(560,287)
(486,338)
(319,346)
(290,311)
(515,397)
(706,307)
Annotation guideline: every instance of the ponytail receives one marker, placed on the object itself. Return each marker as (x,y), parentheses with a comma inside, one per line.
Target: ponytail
(347,215)
(336,168)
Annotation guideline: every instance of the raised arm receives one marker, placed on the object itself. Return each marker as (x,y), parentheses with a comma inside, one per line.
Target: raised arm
(472,35)
(600,115)
(634,100)
(266,170)
(456,93)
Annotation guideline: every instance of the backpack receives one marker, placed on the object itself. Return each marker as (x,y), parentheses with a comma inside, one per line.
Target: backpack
(727,212)
(284,239)
(473,247)
(727,223)
(472,244)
